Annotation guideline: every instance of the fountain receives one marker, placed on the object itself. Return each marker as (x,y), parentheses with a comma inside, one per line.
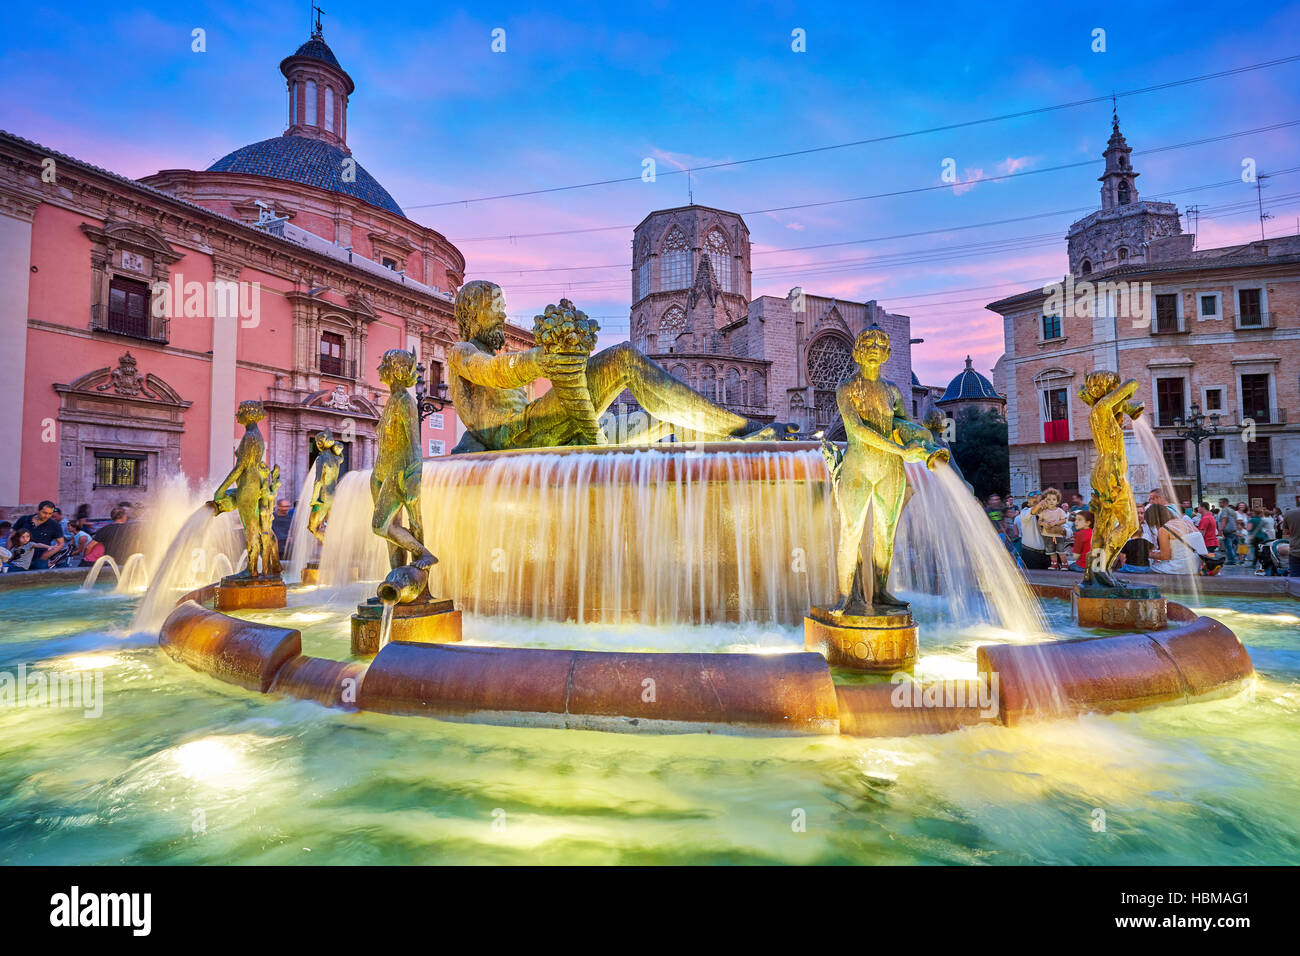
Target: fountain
(537,518)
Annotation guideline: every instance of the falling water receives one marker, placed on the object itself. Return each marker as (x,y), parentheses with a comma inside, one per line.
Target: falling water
(946,546)
(190,561)
(1154,471)
(301,545)
(386,624)
(97,567)
(134,576)
(657,536)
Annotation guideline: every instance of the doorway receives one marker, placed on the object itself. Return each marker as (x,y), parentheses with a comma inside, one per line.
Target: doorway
(1059,473)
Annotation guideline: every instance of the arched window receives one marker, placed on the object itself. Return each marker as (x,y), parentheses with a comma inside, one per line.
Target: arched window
(757,388)
(734,392)
(671,325)
(293,103)
(720,259)
(709,382)
(309,108)
(643,270)
(1123,253)
(1123,192)
(638,329)
(679,372)
(329,109)
(675,262)
(1085,267)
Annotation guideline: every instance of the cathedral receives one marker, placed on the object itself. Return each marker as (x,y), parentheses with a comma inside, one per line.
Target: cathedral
(770,358)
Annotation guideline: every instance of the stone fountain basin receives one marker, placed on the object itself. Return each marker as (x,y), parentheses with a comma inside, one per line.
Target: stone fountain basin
(770,694)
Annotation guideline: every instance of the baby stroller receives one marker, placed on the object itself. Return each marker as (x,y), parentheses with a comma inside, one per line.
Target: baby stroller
(1273,557)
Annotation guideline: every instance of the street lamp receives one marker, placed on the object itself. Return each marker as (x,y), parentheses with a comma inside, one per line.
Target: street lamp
(428,404)
(1193,428)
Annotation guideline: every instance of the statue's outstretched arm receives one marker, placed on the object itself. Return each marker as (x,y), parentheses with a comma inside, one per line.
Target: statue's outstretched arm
(231,478)
(510,370)
(1121,394)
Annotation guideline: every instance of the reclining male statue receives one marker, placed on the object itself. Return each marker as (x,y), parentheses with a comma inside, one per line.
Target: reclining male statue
(487,387)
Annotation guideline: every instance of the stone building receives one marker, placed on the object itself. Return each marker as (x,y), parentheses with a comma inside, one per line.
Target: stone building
(135,315)
(1214,330)
(769,358)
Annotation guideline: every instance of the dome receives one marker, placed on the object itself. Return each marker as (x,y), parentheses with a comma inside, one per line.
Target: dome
(311,162)
(318,49)
(970,385)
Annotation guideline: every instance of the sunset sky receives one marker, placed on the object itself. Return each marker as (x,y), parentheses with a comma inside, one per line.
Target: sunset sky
(583,95)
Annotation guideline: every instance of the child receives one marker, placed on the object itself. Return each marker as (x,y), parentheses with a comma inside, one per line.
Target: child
(1082,539)
(1051,522)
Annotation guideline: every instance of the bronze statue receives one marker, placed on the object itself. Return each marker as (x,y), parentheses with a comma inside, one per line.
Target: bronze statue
(395,480)
(1114,519)
(270,480)
(870,475)
(247,479)
(329,458)
(487,386)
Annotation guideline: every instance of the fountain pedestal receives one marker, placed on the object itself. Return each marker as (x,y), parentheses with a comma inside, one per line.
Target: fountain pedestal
(881,640)
(310,573)
(235,592)
(1126,609)
(426,621)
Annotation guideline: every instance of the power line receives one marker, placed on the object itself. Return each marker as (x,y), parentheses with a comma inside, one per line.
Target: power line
(898,192)
(876,139)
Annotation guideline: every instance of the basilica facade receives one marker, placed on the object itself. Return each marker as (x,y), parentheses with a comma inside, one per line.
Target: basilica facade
(135,315)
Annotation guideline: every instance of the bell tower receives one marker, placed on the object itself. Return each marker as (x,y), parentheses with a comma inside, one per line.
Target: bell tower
(1118,182)
(318,90)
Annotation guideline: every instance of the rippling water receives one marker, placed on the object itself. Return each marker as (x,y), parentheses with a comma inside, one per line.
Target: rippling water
(183,769)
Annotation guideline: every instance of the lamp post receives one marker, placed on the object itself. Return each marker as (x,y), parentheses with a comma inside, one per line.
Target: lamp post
(1193,428)
(428,404)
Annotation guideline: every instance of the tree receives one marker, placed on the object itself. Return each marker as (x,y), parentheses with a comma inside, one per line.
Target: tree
(981,451)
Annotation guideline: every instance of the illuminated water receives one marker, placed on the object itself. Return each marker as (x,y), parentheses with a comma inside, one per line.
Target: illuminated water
(184,769)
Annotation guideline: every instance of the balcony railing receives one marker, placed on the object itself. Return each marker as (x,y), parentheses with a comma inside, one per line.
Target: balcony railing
(150,328)
(1263,416)
(337,368)
(1263,467)
(1178,469)
(1256,320)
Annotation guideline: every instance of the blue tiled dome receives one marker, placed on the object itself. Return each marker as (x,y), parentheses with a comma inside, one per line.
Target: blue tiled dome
(318,49)
(969,385)
(311,162)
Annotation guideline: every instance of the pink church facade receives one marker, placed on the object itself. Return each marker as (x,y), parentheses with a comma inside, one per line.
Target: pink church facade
(136,315)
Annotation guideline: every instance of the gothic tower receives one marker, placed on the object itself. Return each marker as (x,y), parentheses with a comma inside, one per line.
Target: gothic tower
(1123,230)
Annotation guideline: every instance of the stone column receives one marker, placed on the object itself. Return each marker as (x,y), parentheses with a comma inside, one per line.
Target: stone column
(16,214)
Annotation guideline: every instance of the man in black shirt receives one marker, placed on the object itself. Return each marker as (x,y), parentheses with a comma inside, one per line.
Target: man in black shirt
(117,537)
(46,531)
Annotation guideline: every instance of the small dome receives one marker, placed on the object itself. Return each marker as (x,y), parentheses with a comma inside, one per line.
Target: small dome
(970,385)
(318,49)
(311,162)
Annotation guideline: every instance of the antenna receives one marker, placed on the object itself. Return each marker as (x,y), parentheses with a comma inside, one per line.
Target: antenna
(690,190)
(1259,195)
(1193,222)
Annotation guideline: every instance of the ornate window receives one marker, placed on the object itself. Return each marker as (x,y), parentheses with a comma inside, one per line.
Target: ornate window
(671,325)
(638,329)
(830,362)
(735,388)
(128,307)
(720,259)
(675,262)
(310,108)
(329,109)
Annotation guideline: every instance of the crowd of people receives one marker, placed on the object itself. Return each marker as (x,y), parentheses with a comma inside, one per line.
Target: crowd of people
(1049,531)
(46,539)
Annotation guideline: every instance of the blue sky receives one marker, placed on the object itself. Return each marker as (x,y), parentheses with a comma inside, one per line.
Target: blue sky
(584,94)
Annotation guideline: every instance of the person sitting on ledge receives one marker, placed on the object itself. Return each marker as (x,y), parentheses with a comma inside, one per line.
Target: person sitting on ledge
(487,387)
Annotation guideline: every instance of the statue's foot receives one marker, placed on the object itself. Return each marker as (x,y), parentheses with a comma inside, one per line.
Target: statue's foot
(424,561)
(883,598)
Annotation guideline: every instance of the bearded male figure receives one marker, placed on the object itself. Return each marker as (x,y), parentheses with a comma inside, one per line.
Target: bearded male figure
(487,388)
